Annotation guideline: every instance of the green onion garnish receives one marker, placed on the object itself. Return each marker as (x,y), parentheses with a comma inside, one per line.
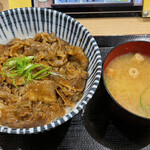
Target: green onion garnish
(25,66)
(147,107)
(106,82)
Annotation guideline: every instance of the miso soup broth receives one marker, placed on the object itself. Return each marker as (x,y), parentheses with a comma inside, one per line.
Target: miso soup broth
(127,78)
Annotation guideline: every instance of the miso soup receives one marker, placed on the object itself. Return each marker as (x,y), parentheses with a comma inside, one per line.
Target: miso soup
(127,78)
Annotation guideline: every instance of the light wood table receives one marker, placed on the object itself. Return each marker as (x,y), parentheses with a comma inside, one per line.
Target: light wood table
(100,26)
(116,26)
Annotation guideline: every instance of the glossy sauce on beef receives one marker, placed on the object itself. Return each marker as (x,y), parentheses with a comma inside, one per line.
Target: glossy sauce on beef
(40,101)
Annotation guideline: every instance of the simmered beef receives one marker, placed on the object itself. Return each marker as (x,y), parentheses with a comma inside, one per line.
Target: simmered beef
(42,92)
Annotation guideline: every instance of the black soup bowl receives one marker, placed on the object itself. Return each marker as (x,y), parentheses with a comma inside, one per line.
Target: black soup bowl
(117,109)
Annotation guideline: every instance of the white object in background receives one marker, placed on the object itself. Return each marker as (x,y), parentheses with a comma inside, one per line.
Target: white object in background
(42,0)
(138,2)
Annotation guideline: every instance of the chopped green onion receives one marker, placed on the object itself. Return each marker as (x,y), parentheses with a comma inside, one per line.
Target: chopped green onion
(141,103)
(42,76)
(42,71)
(147,107)
(25,66)
(14,83)
(106,82)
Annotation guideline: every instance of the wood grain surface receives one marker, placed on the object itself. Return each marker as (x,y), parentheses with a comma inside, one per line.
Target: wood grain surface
(96,26)
(116,26)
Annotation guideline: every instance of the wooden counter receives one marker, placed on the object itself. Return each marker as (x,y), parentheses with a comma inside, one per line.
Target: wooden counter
(101,26)
(98,26)
(116,26)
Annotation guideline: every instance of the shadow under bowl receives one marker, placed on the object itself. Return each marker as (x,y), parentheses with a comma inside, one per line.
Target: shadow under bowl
(117,109)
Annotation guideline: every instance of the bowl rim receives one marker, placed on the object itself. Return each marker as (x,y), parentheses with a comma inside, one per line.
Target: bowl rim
(85,100)
(122,107)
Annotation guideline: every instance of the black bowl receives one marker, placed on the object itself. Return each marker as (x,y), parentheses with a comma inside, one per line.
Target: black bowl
(130,117)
